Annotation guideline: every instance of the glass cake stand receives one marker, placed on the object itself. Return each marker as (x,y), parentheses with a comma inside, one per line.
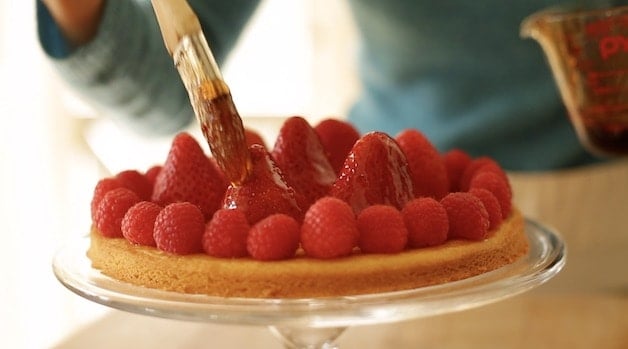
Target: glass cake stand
(317,322)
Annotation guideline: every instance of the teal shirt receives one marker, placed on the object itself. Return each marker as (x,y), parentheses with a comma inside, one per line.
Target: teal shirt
(456,70)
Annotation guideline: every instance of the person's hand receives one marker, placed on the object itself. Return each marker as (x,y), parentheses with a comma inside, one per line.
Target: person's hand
(78,19)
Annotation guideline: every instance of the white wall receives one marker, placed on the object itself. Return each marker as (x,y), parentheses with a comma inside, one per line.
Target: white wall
(48,169)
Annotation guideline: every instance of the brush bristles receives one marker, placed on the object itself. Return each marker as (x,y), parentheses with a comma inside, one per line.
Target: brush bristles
(176,19)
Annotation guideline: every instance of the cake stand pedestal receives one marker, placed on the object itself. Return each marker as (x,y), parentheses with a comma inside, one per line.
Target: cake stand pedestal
(317,322)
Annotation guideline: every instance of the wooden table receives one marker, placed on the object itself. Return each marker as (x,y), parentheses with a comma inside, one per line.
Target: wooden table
(585,306)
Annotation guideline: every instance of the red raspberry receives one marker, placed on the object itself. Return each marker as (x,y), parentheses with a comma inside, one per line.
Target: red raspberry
(337,138)
(275,237)
(111,211)
(329,229)
(481,164)
(225,235)
(492,206)
(139,221)
(497,185)
(102,187)
(179,228)
(429,175)
(137,182)
(468,218)
(381,230)
(455,161)
(427,222)
(188,175)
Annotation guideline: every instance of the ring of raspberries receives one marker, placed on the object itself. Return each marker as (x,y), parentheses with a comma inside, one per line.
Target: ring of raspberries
(323,192)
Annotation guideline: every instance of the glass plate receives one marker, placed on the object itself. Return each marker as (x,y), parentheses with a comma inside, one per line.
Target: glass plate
(545,259)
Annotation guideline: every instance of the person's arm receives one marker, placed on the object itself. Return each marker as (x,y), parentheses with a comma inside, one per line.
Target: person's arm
(123,67)
(78,20)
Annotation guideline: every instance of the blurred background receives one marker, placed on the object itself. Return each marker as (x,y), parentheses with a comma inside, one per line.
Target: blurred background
(54,147)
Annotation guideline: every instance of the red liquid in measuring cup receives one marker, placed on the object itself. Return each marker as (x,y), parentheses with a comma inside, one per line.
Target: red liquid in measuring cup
(593,57)
(607,139)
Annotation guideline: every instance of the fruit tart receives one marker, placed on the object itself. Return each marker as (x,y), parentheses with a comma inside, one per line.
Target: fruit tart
(325,212)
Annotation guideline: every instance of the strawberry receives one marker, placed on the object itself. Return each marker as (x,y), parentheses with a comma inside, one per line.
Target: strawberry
(252,137)
(151,174)
(225,235)
(188,175)
(427,222)
(382,230)
(468,218)
(429,175)
(264,192)
(300,155)
(337,138)
(139,221)
(111,210)
(137,182)
(275,237)
(455,162)
(179,228)
(375,172)
(329,229)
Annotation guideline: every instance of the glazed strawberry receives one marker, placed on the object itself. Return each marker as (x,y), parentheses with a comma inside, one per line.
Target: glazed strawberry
(179,229)
(429,175)
(492,206)
(496,184)
(427,222)
(252,137)
(455,162)
(137,182)
(102,187)
(111,210)
(337,138)
(468,219)
(329,229)
(300,155)
(139,222)
(225,235)
(375,172)
(382,230)
(275,237)
(264,192)
(189,176)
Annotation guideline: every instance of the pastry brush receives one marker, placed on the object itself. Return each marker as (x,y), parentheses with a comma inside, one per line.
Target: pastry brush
(209,94)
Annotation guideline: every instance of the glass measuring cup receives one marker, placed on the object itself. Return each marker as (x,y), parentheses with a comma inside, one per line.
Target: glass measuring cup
(587,51)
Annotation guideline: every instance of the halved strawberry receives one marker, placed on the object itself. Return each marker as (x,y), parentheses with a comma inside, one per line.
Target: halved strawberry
(337,138)
(188,175)
(375,172)
(252,137)
(429,175)
(264,192)
(300,155)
